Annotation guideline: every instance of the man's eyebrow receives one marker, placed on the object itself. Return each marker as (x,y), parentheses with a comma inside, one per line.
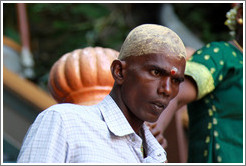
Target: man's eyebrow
(164,71)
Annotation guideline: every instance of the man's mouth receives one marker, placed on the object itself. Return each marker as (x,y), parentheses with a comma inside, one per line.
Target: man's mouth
(158,106)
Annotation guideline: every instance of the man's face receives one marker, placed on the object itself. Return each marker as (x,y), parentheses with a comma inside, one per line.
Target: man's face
(151,82)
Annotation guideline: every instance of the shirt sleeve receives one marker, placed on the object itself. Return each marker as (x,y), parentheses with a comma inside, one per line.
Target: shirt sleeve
(206,68)
(45,141)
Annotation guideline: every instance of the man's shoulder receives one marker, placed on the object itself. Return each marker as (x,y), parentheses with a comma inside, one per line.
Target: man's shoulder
(68,110)
(68,107)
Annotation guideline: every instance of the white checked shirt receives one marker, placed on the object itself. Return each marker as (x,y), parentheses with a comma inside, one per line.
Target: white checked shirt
(69,133)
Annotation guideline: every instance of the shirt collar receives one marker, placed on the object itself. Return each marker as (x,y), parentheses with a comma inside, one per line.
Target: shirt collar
(119,126)
(114,118)
(155,152)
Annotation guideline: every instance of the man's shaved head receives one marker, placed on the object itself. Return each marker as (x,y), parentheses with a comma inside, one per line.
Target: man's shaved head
(152,39)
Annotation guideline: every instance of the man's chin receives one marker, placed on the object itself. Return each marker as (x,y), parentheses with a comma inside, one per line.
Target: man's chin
(152,119)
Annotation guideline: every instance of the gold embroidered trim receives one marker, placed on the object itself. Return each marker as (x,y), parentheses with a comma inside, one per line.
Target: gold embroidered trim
(202,77)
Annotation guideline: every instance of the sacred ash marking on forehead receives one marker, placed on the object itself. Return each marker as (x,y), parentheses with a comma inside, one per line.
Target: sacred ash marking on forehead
(152,39)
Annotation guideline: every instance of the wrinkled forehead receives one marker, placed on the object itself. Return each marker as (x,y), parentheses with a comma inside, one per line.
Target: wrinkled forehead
(152,39)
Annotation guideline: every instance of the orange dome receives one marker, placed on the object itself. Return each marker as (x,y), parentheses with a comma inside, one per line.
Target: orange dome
(82,76)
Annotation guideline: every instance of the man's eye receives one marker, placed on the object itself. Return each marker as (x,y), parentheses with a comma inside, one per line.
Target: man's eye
(176,81)
(155,72)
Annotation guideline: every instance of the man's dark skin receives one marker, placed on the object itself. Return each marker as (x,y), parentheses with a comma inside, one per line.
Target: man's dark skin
(144,85)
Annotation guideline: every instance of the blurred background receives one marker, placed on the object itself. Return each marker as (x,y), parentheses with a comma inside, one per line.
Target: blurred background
(36,35)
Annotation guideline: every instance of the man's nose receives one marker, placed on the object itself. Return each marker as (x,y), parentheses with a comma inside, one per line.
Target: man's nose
(165,87)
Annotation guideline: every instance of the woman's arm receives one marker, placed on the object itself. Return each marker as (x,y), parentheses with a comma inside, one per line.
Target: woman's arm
(187,93)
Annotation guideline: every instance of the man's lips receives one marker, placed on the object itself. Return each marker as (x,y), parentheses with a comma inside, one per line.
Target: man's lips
(159,106)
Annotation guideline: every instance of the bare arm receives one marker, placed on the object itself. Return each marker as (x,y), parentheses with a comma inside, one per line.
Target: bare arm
(187,93)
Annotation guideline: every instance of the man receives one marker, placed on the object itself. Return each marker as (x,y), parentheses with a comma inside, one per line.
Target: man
(147,75)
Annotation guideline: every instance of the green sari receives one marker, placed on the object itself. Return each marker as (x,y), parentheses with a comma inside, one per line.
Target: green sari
(216,117)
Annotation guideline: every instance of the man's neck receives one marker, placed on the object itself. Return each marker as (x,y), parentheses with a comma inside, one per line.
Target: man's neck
(135,123)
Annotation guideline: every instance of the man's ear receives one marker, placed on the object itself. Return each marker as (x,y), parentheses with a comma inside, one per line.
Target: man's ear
(118,68)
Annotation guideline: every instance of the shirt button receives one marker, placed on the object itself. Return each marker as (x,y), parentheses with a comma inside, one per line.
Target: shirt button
(159,155)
